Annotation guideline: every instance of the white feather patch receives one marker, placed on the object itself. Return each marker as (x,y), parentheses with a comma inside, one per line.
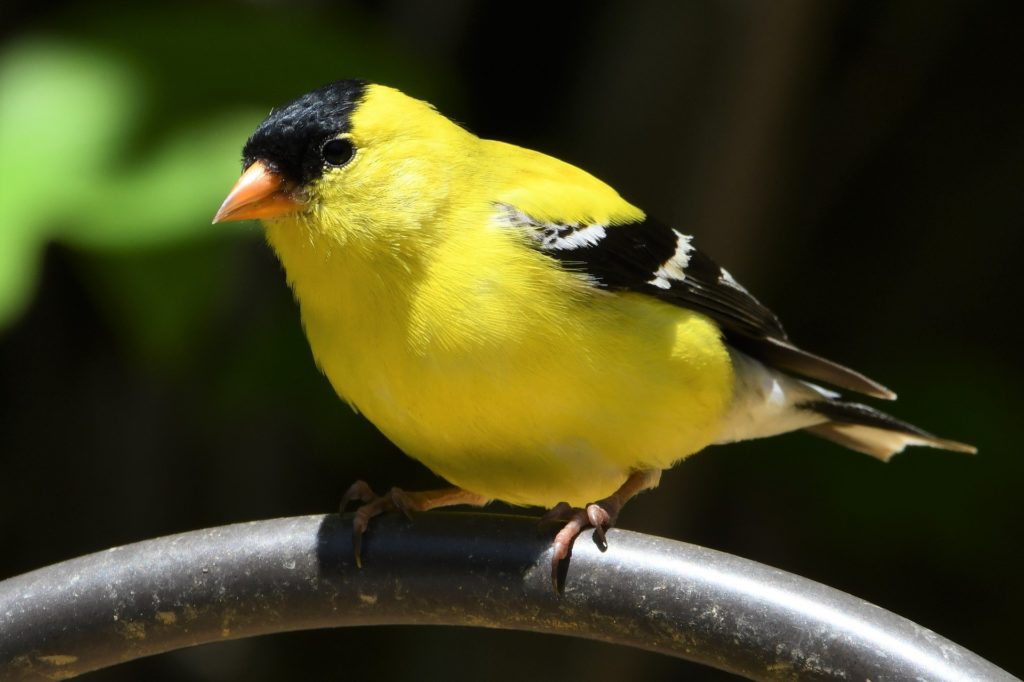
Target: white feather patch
(675,267)
(552,236)
(725,277)
(587,236)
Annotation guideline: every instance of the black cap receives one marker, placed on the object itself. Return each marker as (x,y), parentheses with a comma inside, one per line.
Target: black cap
(290,138)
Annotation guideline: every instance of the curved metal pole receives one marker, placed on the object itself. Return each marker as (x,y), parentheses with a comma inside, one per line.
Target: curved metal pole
(456,569)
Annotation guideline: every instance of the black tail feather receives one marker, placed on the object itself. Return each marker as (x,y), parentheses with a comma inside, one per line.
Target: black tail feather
(784,355)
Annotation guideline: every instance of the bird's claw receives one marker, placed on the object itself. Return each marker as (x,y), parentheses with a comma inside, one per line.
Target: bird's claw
(359,491)
(372,505)
(597,515)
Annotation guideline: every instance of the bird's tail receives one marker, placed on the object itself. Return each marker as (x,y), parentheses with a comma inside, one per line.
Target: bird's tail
(872,431)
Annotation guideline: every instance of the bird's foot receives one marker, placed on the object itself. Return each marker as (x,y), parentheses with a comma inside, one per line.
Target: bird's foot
(396,499)
(600,516)
(371,505)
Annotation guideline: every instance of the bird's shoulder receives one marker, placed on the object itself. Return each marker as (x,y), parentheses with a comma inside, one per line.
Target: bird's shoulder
(644,255)
(585,226)
(551,190)
(617,247)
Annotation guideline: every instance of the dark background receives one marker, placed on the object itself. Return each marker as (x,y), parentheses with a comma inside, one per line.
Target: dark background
(857,165)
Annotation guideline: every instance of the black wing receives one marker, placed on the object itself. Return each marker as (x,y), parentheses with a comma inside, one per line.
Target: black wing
(652,258)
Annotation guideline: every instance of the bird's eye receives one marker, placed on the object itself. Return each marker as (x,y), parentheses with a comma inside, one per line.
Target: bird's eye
(338,152)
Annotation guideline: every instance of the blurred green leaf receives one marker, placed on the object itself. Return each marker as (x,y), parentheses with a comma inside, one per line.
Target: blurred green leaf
(19,260)
(61,110)
(115,137)
(171,195)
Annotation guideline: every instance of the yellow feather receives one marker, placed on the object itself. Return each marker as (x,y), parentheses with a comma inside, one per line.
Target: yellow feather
(474,352)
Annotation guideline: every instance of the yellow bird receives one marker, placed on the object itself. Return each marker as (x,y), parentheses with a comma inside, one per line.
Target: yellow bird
(513,323)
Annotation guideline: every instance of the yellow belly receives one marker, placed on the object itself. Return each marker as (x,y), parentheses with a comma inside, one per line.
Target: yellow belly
(530,395)
(545,417)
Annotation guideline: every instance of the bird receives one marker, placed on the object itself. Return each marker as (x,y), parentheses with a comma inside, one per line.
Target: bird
(513,323)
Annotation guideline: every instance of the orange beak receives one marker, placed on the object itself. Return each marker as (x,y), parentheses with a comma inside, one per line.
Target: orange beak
(259,193)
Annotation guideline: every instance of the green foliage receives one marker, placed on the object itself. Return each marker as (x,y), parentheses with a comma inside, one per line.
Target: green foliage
(66,116)
(113,138)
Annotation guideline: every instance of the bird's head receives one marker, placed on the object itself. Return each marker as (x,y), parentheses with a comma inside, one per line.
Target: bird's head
(348,159)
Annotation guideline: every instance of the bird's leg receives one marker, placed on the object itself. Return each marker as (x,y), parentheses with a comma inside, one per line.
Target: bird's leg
(397,499)
(600,515)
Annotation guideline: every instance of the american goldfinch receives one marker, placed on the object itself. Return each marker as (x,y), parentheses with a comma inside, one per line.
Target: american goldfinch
(514,324)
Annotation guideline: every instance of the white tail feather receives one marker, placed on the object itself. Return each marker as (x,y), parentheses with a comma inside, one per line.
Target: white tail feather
(882,443)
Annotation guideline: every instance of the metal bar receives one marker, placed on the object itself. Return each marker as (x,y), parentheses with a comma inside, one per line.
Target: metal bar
(482,570)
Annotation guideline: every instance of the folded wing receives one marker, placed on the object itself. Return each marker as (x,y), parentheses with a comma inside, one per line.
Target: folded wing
(651,258)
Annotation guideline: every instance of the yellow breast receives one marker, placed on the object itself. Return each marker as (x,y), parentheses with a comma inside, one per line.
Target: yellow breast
(505,376)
